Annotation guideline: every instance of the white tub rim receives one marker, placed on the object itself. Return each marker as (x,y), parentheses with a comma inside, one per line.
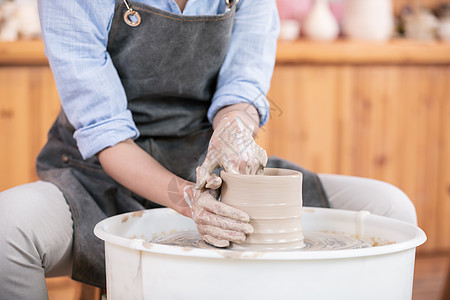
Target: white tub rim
(101,231)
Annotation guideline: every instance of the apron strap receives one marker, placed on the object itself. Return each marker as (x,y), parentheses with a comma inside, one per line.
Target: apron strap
(230,3)
(133,18)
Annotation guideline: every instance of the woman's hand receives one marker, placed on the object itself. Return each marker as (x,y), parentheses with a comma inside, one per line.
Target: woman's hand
(217,223)
(232,145)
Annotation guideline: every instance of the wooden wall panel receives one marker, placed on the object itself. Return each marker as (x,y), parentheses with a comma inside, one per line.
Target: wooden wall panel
(303,127)
(28,103)
(15,121)
(398,145)
(443,217)
(49,104)
(383,122)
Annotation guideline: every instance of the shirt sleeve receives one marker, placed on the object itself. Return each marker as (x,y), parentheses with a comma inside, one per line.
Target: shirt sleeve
(248,66)
(75,35)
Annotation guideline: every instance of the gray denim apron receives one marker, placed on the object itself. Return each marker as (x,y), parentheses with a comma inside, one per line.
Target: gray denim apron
(168,65)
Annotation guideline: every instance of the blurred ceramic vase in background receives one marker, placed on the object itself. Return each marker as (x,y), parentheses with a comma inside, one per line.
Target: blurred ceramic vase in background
(443,29)
(19,19)
(320,24)
(294,9)
(289,29)
(337,8)
(292,13)
(443,13)
(295,14)
(420,24)
(368,19)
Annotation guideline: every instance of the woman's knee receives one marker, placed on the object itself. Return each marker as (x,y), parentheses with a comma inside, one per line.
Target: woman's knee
(375,196)
(397,203)
(27,206)
(17,209)
(33,217)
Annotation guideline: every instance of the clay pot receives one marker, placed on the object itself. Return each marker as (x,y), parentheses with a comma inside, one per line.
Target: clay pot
(274,204)
(368,19)
(421,25)
(293,9)
(444,29)
(320,23)
(289,30)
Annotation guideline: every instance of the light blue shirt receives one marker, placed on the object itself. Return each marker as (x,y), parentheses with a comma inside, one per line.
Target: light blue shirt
(75,34)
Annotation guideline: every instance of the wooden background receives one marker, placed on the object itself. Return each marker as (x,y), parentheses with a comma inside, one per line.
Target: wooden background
(399,4)
(344,108)
(381,117)
(385,122)
(374,110)
(29,104)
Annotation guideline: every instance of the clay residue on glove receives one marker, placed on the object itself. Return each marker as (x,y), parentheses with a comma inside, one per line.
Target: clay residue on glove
(233,148)
(218,223)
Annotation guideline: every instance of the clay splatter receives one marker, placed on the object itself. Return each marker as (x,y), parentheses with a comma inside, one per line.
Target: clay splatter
(137,214)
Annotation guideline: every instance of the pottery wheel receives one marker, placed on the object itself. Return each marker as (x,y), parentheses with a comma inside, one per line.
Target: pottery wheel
(314,241)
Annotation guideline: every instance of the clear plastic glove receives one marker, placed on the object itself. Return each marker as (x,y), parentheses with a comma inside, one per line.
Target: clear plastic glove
(218,223)
(232,147)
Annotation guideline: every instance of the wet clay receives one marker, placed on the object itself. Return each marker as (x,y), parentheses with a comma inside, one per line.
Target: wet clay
(274,203)
(314,241)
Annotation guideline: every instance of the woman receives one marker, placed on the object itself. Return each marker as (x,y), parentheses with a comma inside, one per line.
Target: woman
(149,91)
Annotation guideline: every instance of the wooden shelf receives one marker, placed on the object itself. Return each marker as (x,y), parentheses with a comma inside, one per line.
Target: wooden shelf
(22,53)
(396,51)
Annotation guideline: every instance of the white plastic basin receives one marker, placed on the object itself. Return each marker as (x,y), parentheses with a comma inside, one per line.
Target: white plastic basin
(137,269)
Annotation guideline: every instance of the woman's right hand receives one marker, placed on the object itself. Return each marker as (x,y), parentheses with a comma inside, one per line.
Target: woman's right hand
(218,223)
